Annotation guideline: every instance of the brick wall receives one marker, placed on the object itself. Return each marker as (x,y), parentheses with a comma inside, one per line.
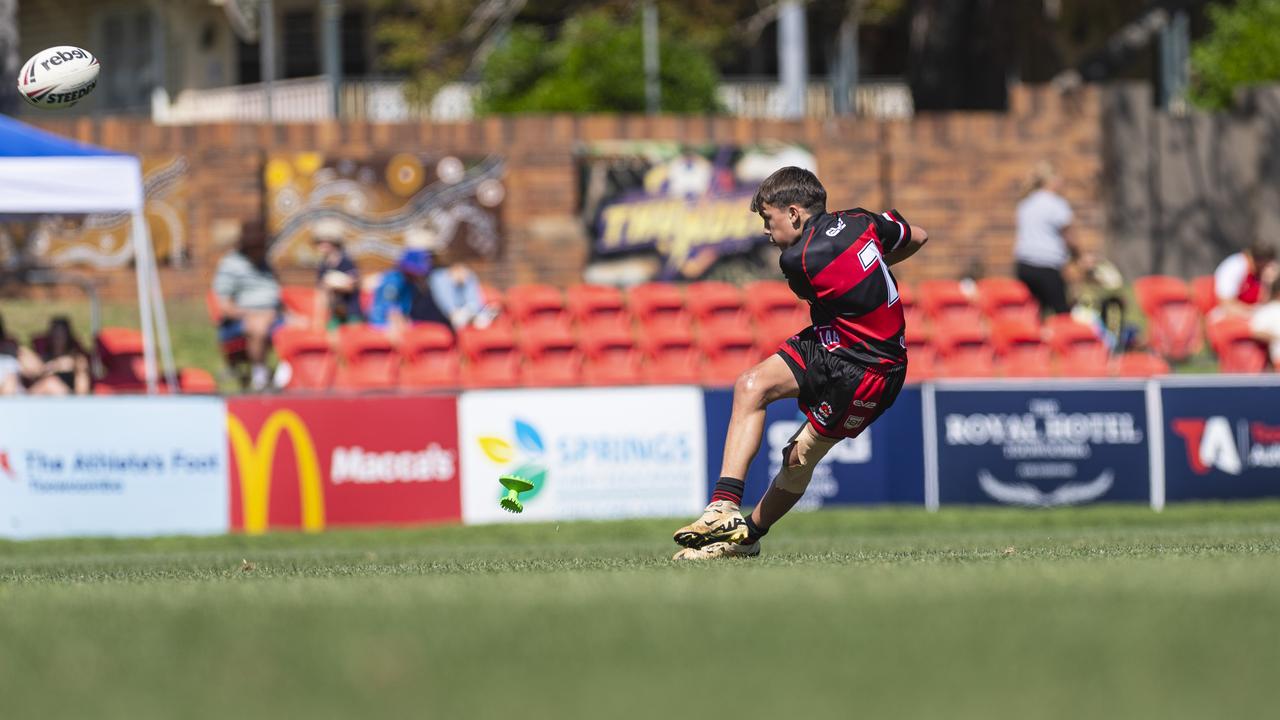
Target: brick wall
(957,174)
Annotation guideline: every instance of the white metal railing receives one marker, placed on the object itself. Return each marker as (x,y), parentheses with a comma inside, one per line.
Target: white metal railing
(310,100)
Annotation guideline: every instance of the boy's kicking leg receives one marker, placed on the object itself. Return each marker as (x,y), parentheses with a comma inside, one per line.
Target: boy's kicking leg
(801,455)
(722,521)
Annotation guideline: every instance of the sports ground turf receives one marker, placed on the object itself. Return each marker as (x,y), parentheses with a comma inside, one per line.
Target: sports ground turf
(1099,612)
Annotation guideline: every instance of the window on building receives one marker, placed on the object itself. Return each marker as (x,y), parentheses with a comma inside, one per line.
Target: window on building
(299,32)
(124,47)
(355,47)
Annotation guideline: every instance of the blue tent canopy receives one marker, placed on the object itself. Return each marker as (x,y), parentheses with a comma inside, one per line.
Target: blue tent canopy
(17,139)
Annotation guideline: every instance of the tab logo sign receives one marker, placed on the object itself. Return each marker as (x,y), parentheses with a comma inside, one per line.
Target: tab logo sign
(1215,443)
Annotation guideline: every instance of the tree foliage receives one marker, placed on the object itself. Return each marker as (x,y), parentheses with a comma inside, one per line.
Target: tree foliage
(594,64)
(1242,49)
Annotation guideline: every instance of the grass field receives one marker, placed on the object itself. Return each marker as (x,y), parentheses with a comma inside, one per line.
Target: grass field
(1100,612)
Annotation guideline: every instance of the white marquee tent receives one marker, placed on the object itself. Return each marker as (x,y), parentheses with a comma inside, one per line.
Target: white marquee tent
(44,173)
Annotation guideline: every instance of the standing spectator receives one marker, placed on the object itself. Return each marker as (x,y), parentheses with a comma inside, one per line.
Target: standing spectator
(456,290)
(1245,279)
(65,364)
(337,280)
(249,300)
(404,295)
(1044,245)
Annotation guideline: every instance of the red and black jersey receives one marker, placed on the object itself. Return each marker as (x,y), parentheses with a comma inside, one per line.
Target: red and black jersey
(838,267)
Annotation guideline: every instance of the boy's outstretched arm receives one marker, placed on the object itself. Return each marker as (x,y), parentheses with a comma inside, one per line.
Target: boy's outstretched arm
(918,238)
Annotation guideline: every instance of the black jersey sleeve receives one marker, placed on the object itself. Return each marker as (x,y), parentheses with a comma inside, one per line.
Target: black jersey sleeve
(893,230)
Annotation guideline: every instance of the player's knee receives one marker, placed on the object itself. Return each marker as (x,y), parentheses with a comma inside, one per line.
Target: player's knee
(749,390)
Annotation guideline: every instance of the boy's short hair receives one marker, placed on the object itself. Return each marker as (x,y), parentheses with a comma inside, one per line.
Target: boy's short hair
(791,186)
(1262,251)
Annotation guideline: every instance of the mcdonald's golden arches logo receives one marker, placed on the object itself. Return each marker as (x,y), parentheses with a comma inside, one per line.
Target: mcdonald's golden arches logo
(254,459)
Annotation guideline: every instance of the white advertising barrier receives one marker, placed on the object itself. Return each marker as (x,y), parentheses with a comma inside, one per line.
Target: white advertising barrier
(592,454)
(112,466)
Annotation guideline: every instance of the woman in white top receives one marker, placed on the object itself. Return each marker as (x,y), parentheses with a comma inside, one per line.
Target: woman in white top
(1044,246)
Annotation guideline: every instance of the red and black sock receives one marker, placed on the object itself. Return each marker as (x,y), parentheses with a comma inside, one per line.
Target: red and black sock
(728,488)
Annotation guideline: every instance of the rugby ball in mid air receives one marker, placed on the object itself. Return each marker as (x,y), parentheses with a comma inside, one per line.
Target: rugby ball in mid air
(58,77)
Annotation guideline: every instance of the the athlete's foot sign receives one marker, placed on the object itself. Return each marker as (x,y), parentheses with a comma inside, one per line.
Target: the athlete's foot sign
(720,522)
(719,550)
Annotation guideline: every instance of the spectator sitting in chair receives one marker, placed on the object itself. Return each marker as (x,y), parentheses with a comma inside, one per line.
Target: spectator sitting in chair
(337,279)
(404,295)
(457,293)
(1265,323)
(64,368)
(16,362)
(249,300)
(1244,280)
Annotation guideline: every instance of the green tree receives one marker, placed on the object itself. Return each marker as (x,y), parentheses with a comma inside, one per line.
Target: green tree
(1242,49)
(595,64)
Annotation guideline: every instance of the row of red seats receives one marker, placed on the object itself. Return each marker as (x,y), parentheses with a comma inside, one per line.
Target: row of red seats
(1180,320)
(428,356)
(1018,347)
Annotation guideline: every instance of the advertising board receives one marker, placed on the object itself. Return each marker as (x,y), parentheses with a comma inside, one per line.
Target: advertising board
(1041,444)
(112,466)
(885,464)
(1221,438)
(591,453)
(311,463)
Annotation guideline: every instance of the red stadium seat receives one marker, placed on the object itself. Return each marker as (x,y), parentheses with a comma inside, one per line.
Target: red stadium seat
(671,357)
(593,306)
(920,345)
(1173,327)
(369,359)
(922,368)
(658,305)
(1203,294)
(771,334)
(493,359)
(964,366)
(716,305)
(300,300)
(552,358)
(537,308)
(1024,366)
(728,353)
(311,360)
(429,357)
(1019,341)
(194,381)
(962,342)
(1003,298)
(1237,349)
(1139,365)
(120,351)
(963,351)
(911,309)
(612,358)
(944,302)
(1079,350)
(772,303)
(1084,366)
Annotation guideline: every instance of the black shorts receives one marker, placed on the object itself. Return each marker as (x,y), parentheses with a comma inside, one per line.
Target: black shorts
(840,397)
